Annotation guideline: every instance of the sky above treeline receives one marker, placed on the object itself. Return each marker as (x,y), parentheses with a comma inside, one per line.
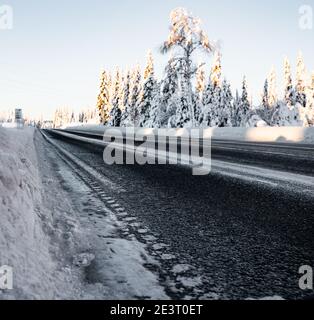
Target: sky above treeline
(53,55)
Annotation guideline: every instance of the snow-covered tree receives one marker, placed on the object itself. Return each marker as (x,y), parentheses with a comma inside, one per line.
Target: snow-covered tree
(243,107)
(149,69)
(213,109)
(169,97)
(235,109)
(199,90)
(115,113)
(215,74)
(125,98)
(225,106)
(62,117)
(121,92)
(208,104)
(132,111)
(183,115)
(289,89)
(103,101)
(265,97)
(272,89)
(185,38)
(216,105)
(200,79)
(301,81)
(155,114)
(148,92)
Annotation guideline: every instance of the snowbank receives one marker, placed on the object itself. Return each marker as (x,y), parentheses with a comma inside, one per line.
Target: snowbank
(264,134)
(258,134)
(25,223)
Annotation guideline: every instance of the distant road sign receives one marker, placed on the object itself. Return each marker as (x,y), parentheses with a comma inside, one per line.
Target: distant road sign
(18,115)
(19,118)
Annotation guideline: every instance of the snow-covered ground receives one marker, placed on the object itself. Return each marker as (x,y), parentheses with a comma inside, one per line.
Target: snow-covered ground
(56,250)
(26,224)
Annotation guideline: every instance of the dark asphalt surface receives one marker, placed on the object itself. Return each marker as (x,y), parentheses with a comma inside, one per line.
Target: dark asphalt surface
(289,157)
(245,240)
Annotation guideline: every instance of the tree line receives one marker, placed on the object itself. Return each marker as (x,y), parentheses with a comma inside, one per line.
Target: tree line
(187,96)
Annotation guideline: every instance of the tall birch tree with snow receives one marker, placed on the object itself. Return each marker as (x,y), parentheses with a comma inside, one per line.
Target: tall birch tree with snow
(185,38)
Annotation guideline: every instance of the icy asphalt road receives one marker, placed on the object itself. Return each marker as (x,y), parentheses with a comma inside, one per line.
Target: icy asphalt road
(215,236)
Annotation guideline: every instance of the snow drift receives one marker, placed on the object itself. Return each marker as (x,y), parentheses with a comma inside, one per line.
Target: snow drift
(24,245)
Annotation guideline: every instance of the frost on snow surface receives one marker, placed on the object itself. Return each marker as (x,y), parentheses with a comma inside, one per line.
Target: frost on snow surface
(52,247)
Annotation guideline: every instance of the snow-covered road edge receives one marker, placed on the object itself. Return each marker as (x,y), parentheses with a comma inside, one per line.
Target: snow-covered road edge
(117,269)
(43,240)
(28,237)
(46,242)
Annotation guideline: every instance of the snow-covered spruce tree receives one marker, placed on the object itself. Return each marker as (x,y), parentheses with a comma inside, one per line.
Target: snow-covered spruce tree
(269,99)
(235,109)
(121,93)
(199,90)
(100,100)
(212,96)
(115,113)
(215,109)
(132,110)
(148,92)
(155,115)
(185,38)
(244,107)
(301,81)
(183,115)
(103,101)
(265,97)
(289,89)
(207,102)
(225,107)
(125,99)
(272,89)
(169,98)
(265,111)
(172,109)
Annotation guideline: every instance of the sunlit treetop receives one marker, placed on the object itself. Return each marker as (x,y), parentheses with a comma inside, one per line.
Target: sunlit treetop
(186,32)
(149,70)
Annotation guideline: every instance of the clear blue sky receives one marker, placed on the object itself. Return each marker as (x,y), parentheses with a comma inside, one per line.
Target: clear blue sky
(54,53)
